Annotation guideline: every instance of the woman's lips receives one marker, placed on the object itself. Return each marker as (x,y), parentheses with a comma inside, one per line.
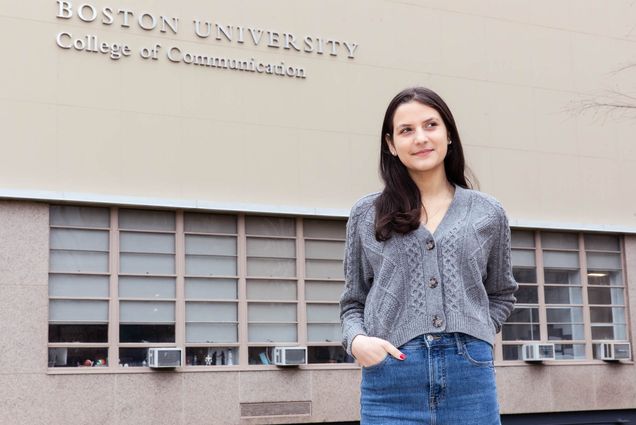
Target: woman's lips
(423,152)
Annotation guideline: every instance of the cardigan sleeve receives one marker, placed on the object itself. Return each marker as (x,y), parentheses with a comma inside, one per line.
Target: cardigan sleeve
(500,283)
(358,277)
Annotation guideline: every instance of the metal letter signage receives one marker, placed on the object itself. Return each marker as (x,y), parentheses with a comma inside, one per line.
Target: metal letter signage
(214,32)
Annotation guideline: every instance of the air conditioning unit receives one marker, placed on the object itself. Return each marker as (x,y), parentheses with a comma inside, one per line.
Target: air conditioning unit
(537,352)
(290,356)
(614,351)
(164,357)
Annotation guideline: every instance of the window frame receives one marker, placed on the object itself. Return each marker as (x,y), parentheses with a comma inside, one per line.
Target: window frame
(583,284)
(180,301)
(300,279)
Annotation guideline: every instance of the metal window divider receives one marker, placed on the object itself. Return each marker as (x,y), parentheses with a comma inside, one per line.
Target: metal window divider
(543,314)
(113,304)
(241,247)
(587,323)
(301,308)
(180,307)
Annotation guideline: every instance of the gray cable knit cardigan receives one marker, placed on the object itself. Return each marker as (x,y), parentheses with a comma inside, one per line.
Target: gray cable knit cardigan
(458,279)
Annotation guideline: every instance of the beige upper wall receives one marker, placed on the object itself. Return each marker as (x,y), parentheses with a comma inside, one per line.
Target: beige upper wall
(77,122)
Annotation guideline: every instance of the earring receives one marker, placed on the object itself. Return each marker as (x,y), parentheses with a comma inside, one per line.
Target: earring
(450,141)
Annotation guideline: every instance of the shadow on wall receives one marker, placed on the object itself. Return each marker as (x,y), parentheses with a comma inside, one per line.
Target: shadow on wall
(604,417)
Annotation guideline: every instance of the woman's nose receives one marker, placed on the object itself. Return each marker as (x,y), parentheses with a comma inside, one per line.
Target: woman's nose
(420,135)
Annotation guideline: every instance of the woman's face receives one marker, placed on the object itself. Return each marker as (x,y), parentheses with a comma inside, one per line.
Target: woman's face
(420,138)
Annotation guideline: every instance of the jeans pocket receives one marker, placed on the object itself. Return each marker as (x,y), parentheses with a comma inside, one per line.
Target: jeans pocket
(477,352)
(377,365)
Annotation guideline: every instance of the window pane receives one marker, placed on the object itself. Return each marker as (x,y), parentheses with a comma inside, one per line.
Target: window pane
(158,243)
(277,248)
(324,269)
(520,332)
(210,245)
(523,275)
(603,261)
(78,261)
(559,240)
(522,238)
(271,312)
(323,313)
(211,356)
(324,228)
(69,285)
(133,357)
(208,265)
(211,332)
(78,333)
(512,352)
(270,226)
(323,291)
(147,263)
(607,314)
(326,250)
(260,355)
(271,290)
(146,311)
(565,331)
(602,242)
(272,332)
(523,257)
(199,288)
(209,223)
(569,351)
(564,314)
(527,294)
(271,267)
(331,354)
(327,332)
(563,295)
(78,311)
(570,277)
(146,333)
(605,295)
(146,220)
(66,215)
(146,287)
(80,240)
(524,315)
(561,259)
(78,357)
(615,332)
(604,277)
(211,312)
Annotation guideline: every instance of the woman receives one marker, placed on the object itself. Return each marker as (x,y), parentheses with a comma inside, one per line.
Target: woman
(427,269)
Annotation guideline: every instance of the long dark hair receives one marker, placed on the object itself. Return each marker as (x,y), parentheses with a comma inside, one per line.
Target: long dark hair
(398,208)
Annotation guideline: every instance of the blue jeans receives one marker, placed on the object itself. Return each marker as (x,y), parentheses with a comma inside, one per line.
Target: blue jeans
(446,379)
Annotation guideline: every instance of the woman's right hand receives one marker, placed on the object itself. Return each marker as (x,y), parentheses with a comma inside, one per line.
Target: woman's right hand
(369,350)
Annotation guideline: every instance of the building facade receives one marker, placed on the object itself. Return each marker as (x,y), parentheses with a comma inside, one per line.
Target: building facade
(180,175)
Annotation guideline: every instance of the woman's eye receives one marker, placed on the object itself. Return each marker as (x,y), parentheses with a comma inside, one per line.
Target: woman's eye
(405,130)
(431,124)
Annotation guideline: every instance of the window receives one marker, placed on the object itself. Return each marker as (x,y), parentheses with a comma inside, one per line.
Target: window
(229,287)
(79,287)
(226,287)
(146,283)
(211,289)
(571,293)
(324,281)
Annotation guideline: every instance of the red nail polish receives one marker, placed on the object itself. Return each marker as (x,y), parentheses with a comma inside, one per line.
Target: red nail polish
(402,356)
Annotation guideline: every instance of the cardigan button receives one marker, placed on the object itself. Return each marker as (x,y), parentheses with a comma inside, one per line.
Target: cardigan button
(432,283)
(437,321)
(430,244)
